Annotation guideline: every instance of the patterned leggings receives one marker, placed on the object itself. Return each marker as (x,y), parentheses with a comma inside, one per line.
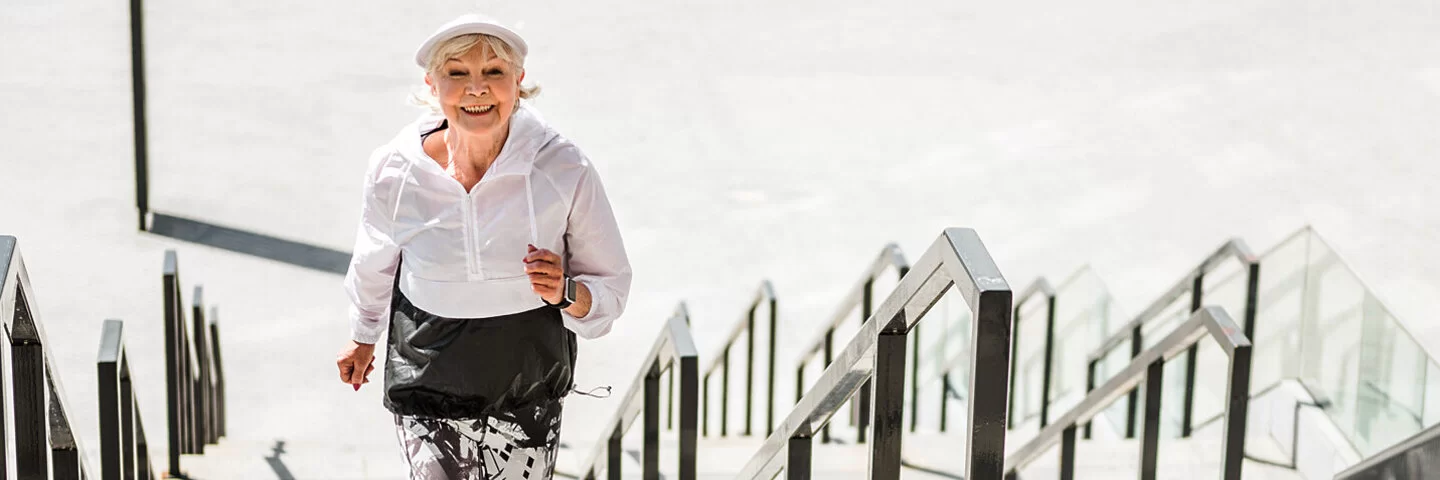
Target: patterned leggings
(482,449)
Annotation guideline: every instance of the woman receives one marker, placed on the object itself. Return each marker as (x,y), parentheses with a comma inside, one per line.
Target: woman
(486,244)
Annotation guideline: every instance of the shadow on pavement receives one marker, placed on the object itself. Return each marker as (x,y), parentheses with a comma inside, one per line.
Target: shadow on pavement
(251,243)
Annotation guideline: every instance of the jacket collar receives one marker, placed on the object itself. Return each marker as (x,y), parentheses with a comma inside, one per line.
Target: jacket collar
(528,132)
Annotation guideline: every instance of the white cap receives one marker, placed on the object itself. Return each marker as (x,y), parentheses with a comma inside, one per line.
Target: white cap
(468,24)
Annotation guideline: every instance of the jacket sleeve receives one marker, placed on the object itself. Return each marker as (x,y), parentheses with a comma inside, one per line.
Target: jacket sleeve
(596,257)
(376,259)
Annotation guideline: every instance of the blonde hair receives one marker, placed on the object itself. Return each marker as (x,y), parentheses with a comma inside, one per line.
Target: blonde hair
(457,46)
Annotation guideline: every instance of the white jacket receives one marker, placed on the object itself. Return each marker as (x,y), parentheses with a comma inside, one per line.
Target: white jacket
(464,252)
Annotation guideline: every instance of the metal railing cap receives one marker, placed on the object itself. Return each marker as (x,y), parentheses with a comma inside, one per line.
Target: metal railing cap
(172,262)
(112,342)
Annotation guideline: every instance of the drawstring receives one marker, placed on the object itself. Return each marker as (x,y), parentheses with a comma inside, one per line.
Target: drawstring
(592,391)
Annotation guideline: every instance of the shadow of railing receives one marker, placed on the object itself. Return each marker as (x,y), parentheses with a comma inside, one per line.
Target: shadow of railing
(250,243)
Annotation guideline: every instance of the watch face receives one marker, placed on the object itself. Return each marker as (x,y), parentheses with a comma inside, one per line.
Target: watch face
(569,289)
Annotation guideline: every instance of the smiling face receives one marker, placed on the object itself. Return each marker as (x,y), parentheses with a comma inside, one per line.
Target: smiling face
(477,90)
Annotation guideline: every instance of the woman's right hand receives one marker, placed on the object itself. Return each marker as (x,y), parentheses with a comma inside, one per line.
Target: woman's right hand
(356,362)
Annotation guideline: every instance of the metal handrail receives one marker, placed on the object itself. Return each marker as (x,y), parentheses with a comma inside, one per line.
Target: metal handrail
(861,295)
(124,450)
(674,348)
(1399,461)
(1192,283)
(44,444)
(764,295)
(192,397)
(1149,366)
(957,258)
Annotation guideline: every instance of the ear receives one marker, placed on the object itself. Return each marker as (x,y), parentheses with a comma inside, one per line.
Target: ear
(429,82)
(521,79)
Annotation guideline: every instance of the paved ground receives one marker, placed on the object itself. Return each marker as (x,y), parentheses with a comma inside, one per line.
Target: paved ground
(739,140)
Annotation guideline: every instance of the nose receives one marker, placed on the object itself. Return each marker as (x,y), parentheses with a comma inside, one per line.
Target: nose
(477,87)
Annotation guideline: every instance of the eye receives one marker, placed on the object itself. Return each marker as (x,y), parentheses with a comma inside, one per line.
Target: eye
(494,72)
(456,73)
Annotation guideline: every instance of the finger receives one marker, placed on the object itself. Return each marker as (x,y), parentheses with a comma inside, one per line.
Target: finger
(549,283)
(345,372)
(530,248)
(367,372)
(356,375)
(539,268)
(542,255)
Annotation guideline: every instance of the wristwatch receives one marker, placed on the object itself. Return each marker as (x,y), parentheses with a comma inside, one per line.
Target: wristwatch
(567,297)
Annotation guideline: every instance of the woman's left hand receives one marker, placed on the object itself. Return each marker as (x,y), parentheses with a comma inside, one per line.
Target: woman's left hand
(547,278)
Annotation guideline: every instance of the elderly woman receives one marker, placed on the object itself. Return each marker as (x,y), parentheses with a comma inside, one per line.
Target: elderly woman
(486,244)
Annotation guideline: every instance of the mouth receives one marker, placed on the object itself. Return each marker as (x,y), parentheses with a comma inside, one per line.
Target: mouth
(478,109)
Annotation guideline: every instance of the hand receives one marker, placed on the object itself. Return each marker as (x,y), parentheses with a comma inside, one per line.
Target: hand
(356,361)
(547,278)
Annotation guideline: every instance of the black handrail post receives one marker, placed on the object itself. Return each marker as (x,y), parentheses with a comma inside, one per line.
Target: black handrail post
(651,457)
(203,391)
(829,345)
(1131,410)
(915,380)
(31,395)
(1049,359)
(1089,387)
(1238,411)
(863,405)
(749,370)
(889,382)
(797,465)
(1150,444)
(137,80)
(725,393)
(613,454)
(5,354)
(219,374)
(705,406)
(689,369)
(128,435)
(1197,297)
(1010,420)
(944,400)
(1067,454)
(770,390)
(670,400)
(111,401)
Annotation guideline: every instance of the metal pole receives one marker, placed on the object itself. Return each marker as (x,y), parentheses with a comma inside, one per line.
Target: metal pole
(1089,387)
(705,406)
(32,410)
(863,406)
(749,370)
(107,372)
(1197,295)
(944,400)
(613,451)
(174,398)
(829,344)
(137,80)
(1237,412)
(989,361)
(688,371)
(1133,408)
(798,465)
(770,389)
(915,380)
(725,392)
(1067,453)
(1150,444)
(889,405)
(1048,368)
(1014,365)
(651,467)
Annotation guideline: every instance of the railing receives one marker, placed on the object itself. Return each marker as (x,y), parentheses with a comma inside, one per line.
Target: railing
(1149,366)
(194,378)
(673,350)
(764,296)
(1415,457)
(861,295)
(30,393)
(957,258)
(1194,284)
(1040,289)
(124,451)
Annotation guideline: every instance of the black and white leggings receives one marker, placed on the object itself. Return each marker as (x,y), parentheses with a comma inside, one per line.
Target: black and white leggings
(481,449)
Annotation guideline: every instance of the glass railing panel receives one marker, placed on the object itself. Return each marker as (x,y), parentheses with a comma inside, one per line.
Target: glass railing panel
(1083,310)
(1333,330)
(1279,312)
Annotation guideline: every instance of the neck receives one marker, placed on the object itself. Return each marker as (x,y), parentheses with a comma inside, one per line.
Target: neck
(474,152)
